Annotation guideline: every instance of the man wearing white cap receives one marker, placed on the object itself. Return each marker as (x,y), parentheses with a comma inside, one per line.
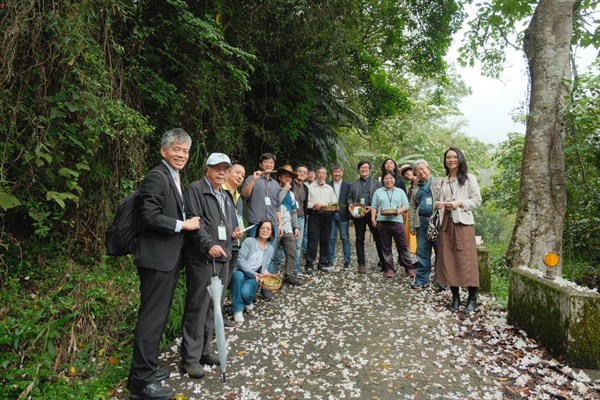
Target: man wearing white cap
(213,241)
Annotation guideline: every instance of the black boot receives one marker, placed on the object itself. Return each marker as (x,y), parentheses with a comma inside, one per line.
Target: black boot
(453,307)
(471,306)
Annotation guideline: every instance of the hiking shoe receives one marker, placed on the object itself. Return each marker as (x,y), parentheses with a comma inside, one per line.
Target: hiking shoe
(209,359)
(229,324)
(362,269)
(416,286)
(194,370)
(238,317)
(292,281)
(267,295)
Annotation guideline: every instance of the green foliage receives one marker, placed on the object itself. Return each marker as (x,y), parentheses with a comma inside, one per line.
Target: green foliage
(582,225)
(66,331)
(63,122)
(504,193)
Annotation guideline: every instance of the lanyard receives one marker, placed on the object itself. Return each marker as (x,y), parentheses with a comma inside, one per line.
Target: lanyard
(390,195)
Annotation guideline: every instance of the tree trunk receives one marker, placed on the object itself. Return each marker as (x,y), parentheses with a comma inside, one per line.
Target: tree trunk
(542,195)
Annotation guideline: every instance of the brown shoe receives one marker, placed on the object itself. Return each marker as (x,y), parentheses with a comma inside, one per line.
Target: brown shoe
(362,269)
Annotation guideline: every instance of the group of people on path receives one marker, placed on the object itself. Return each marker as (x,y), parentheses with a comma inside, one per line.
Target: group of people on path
(290,213)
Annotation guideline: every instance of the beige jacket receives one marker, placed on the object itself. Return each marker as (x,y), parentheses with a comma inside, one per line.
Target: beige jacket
(469,194)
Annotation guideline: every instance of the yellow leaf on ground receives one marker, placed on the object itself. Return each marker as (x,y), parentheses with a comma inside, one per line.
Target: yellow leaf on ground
(72,370)
(385,365)
(113,360)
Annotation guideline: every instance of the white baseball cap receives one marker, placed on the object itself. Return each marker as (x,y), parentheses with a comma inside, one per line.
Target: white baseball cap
(218,158)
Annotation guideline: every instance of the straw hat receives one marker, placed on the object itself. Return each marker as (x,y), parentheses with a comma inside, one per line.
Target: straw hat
(286,169)
(404,168)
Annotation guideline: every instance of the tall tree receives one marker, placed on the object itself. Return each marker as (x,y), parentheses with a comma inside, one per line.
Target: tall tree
(542,193)
(547,46)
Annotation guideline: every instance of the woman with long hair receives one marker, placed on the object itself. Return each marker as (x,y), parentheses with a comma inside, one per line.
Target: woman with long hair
(457,253)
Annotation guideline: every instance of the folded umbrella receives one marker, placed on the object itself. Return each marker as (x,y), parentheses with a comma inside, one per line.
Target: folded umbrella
(215,289)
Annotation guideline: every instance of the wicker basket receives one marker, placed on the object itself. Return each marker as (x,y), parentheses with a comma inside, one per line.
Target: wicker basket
(390,212)
(270,282)
(358,210)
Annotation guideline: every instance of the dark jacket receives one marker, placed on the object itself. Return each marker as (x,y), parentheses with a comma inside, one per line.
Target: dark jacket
(202,202)
(343,199)
(355,193)
(161,206)
(301,193)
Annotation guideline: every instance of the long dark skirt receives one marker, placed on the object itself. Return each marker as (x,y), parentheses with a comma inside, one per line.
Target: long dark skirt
(457,254)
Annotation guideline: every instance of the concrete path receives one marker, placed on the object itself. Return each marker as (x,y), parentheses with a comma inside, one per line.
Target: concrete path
(343,336)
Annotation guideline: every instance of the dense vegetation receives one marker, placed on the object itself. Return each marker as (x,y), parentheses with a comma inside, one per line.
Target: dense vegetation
(88,87)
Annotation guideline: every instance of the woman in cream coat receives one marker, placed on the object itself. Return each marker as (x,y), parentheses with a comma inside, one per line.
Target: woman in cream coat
(457,253)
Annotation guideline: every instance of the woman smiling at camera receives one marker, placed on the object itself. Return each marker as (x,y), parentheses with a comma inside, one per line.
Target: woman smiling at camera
(253,262)
(457,253)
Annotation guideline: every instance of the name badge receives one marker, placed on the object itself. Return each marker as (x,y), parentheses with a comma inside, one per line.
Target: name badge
(429,201)
(363,201)
(267,201)
(222,233)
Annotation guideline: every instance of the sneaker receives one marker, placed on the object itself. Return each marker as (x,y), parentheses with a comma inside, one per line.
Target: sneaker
(194,370)
(411,272)
(299,274)
(249,307)
(362,269)
(381,266)
(238,317)
(308,270)
(389,273)
(346,265)
(229,324)
(324,269)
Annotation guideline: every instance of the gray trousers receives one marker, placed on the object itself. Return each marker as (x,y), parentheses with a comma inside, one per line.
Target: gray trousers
(198,316)
(288,243)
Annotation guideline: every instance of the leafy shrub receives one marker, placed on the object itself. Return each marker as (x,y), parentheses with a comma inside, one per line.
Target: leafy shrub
(66,330)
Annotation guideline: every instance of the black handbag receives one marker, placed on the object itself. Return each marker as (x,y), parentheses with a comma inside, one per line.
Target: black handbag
(433,228)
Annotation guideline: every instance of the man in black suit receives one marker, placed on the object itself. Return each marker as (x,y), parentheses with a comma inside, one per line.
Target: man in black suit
(158,259)
(211,244)
(341,219)
(361,191)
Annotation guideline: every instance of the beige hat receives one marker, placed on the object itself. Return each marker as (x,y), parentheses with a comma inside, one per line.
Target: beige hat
(404,168)
(287,169)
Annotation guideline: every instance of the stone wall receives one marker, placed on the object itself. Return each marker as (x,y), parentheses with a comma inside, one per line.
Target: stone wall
(563,317)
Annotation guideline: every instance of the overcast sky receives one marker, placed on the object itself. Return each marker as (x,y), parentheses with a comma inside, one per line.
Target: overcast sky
(489,109)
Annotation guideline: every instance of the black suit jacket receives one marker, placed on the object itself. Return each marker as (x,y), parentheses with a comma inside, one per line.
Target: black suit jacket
(344,193)
(161,205)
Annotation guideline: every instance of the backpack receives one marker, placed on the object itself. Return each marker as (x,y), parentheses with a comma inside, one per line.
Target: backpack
(123,235)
